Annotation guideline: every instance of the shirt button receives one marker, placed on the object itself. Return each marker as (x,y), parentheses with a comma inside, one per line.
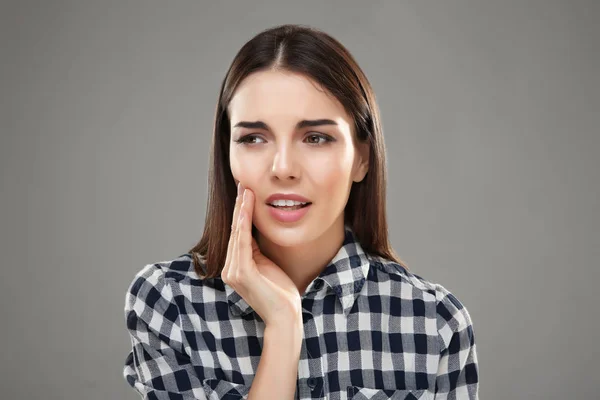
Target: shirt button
(312,382)
(318,284)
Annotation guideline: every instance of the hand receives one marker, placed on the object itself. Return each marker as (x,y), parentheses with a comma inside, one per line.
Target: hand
(257,279)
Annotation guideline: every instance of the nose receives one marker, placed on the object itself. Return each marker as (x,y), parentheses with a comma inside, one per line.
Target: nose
(284,163)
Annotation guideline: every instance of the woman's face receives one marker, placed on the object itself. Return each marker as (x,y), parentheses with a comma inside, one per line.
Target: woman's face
(276,156)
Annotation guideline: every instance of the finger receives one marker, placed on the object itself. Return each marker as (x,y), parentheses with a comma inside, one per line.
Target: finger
(236,208)
(235,256)
(245,231)
(233,235)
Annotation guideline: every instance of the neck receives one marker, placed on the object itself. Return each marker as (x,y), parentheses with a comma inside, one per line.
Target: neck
(305,262)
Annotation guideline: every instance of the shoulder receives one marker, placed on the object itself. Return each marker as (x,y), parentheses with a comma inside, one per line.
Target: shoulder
(162,283)
(420,287)
(451,313)
(153,282)
(176,269)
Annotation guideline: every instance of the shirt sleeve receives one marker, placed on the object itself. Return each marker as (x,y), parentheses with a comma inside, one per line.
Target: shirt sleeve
(157,367)
(458,370)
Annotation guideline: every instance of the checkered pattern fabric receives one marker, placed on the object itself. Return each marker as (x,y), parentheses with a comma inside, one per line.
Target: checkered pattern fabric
(372,330)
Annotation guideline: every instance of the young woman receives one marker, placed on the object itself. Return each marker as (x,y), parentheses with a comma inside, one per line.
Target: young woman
(293,291)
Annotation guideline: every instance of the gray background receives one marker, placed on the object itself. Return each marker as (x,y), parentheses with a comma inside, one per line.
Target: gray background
(490,112)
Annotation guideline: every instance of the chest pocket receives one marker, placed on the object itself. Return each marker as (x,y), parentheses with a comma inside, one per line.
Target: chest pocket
(364,393)
(219,389)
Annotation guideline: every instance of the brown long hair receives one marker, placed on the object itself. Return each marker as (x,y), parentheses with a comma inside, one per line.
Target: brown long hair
(315,54)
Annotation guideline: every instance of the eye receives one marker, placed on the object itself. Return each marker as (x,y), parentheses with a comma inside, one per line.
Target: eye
(247,139)
(326,138)
(250,139)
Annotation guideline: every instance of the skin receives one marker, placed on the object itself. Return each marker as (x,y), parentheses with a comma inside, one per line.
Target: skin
(283,159)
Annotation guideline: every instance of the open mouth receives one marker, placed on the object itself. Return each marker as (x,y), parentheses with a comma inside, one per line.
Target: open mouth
(291,208)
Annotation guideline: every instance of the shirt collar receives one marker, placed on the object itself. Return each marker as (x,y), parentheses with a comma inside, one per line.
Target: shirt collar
(345,275)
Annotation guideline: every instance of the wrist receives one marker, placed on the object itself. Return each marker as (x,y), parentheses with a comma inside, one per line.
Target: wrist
(289,326)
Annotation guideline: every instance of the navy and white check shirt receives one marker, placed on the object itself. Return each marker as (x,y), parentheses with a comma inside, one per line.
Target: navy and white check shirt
(372,330)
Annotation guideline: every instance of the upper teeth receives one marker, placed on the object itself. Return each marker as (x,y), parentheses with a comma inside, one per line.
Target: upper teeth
(287,203)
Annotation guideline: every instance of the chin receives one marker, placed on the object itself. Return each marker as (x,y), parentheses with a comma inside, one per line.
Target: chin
(286,234)
(290,234)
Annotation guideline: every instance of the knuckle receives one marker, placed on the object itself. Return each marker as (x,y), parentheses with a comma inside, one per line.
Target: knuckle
(231,281)
(239,275)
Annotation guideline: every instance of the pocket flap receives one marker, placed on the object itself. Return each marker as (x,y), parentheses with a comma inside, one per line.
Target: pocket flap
(219,389)
(364,393)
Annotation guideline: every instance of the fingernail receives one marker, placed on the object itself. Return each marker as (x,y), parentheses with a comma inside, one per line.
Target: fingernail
(239,188)
(245,191)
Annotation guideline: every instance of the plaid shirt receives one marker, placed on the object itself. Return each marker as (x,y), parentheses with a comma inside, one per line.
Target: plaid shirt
(372,330)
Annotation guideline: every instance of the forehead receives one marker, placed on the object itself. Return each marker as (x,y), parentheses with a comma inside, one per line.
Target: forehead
(285,96)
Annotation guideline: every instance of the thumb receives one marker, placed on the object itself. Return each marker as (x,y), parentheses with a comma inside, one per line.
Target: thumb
(254,245)
(258,256)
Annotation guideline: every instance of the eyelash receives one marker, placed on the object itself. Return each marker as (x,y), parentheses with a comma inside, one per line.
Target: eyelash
(245,140)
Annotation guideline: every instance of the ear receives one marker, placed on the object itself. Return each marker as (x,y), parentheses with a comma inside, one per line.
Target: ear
(361,165)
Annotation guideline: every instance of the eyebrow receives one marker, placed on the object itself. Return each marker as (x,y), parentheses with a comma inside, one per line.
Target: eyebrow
(301,124)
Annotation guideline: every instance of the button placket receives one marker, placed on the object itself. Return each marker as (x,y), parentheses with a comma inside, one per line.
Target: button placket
(312,386)
(315,384)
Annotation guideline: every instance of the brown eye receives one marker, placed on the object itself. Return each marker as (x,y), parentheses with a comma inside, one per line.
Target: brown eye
(326,139)
(248,139)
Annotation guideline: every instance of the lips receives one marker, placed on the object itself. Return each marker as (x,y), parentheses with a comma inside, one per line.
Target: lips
(287,216)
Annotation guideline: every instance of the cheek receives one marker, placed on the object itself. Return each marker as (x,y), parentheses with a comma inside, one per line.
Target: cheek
(241,169)
(331,176)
